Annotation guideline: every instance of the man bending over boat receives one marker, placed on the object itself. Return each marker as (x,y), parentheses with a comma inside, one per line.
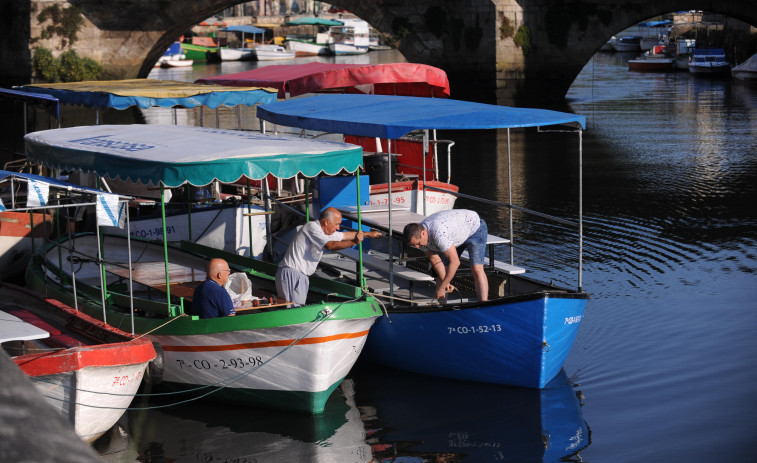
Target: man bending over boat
(305,251)
(443,233)
(210,299)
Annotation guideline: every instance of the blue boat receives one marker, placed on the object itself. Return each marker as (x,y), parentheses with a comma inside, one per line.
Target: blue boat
(522,335)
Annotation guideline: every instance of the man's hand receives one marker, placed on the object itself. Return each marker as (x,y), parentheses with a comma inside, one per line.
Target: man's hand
(441,291)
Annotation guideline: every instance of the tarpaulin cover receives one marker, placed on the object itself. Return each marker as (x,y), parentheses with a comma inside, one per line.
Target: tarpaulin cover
(174,155)
(245,29)
(311,21)
(748,65)
(410,79)
(386,116)
(121,94)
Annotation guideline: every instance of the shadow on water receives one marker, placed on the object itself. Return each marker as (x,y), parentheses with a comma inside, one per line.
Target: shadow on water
(414,418)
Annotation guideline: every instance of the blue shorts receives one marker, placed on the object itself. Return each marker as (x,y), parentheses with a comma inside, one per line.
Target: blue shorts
(476,245)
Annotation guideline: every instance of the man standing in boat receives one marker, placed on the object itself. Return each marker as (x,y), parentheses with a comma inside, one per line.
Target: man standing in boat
(305,251)
(443,233)
(210,298)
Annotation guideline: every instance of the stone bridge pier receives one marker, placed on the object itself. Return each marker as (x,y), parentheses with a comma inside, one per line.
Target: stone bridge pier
(515,52)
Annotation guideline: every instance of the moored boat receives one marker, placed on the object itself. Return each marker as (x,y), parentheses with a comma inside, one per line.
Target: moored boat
(266,355)
(316,42)
(88,371)
(272,53)
(523,333)
(746,71)
(708,61)
(351,38)
(627,43)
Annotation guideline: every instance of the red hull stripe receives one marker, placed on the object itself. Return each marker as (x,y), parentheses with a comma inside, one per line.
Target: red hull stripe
(258,345)
(50,363)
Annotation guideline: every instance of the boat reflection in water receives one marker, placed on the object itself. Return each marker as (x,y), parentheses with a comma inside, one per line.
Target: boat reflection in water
(209,431)
(420,418)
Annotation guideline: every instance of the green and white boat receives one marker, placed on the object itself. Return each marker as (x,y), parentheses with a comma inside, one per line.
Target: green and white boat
(269,355)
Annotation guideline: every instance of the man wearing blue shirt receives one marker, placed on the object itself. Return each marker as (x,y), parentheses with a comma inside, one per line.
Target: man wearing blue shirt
(210,299)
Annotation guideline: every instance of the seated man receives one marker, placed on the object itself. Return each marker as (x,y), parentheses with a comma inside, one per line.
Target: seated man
(210,299)
(442,233)
(305,251)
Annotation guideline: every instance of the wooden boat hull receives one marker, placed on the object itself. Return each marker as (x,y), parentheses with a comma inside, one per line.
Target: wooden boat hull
(91,385)
(650,65)
(307,48)
(288,359)
(199,52)
(521,342)
(236,54)
(709,69)
(347,49)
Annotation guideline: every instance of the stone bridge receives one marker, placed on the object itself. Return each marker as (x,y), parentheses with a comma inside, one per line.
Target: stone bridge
(506,51)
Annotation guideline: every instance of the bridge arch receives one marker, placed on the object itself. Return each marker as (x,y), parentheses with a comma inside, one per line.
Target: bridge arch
(505,51)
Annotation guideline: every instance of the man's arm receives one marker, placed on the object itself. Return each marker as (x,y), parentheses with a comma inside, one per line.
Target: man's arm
(445,273)
(351,238)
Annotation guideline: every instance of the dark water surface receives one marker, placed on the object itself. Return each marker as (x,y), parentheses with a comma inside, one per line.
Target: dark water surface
(663,368)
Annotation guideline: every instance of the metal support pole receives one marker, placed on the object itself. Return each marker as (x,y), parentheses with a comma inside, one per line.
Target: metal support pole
(165,242)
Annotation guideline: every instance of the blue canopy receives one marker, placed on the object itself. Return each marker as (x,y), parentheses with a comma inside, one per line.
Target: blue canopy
(37,98)
(173,155)
(122,94)
(245,29)
(387,116)
(664,23)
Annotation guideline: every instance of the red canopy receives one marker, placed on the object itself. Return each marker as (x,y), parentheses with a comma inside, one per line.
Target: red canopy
(408,79)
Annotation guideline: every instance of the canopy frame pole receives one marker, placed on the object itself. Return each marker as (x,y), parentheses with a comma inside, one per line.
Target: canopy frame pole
(580,209)
(131,277)
(202,121)
(425,155)
(102,271)
(389,203)
(71,262)
(510,198)
(174,116)
(307,199)
(361,278)
(249,211)
(189,210)
(165,242)
(267,203)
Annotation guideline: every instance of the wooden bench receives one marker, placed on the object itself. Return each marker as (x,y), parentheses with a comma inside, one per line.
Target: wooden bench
(381,264)
(498,264)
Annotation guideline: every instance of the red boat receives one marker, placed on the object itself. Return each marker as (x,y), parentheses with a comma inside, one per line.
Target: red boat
(91,382)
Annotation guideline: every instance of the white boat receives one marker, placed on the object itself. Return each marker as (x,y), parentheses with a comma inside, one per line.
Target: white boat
(628,43)
(352,38)
(315,42)
(174,57)
(243,53)
(653,33)
(266,355)
(746,71)
(272,52)
(609,45)
(708,61)
(683,49)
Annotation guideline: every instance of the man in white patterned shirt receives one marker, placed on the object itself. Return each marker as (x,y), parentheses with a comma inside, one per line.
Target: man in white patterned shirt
(442,233)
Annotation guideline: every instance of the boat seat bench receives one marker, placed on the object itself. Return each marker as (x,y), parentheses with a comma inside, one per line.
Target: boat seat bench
(380,264)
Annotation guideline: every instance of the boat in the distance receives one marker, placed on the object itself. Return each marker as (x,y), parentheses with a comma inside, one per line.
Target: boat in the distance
(655,60)
(746,71)
(628,43)
(315,38)
(353,37)
(709,61)
(87,370)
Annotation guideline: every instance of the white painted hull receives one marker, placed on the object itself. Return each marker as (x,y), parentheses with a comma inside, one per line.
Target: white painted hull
(236,54)
(272,52)
(744,75)
(708,69)
(302,48)
(347,49)
(109,387)
(314,365)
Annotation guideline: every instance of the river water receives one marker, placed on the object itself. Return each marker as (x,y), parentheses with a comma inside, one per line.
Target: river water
(663,368)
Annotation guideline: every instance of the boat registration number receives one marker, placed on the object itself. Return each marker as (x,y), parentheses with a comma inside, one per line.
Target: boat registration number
(474,329)
(223,364)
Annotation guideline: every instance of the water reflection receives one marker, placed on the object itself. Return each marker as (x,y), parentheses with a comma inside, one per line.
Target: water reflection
(208,431)
(414,418)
